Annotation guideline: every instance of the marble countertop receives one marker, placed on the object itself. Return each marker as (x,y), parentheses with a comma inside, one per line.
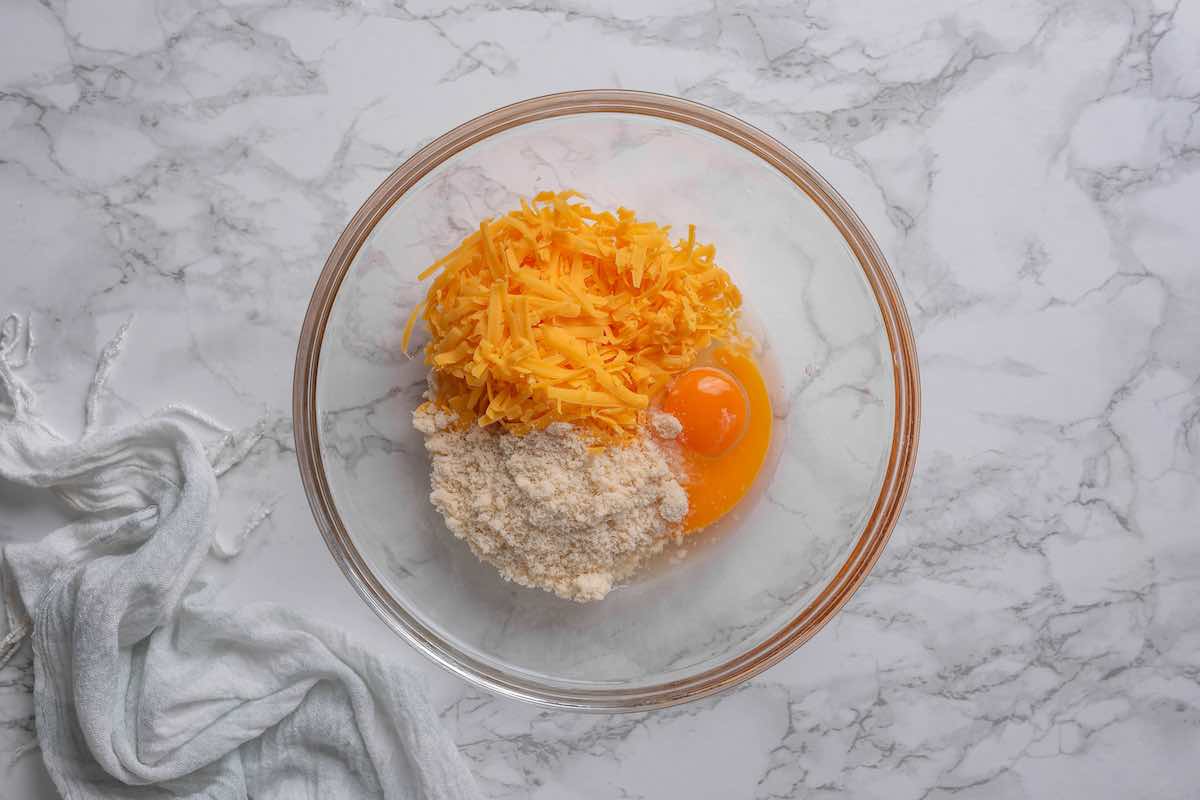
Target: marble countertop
(1032,171)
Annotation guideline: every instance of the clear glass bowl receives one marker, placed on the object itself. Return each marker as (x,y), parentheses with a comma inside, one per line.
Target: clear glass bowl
(840,360)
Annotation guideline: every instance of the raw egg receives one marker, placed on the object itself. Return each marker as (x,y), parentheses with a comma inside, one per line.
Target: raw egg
(712,408)
(726,417)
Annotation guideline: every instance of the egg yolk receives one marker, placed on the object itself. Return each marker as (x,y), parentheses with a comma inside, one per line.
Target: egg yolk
(726,417)
(710,406)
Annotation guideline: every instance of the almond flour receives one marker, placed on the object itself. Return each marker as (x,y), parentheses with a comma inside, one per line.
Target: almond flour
(545,510)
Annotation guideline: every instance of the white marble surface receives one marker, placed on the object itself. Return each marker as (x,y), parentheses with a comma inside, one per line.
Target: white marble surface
(1032,170)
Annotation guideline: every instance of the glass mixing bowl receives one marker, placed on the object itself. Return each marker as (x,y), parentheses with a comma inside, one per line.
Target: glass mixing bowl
(837,350)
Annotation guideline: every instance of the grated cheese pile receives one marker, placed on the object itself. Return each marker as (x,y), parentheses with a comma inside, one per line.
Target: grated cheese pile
(558,313)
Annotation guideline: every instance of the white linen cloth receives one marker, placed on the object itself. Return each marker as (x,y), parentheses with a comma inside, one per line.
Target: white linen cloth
(143,688)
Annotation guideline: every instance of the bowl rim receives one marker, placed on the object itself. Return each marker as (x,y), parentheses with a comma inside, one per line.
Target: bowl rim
(897,474)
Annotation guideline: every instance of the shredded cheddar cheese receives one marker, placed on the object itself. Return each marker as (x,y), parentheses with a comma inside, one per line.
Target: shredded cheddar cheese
(555,312)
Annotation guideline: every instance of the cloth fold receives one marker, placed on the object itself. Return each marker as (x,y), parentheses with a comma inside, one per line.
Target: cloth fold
(143,686)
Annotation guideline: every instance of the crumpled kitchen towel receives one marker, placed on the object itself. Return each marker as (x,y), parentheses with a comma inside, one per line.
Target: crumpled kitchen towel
(143,688)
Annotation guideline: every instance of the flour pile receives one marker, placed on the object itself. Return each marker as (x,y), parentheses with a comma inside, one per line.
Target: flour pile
(546,510)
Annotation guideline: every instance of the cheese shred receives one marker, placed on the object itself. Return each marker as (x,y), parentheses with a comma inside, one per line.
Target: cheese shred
(558,313)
